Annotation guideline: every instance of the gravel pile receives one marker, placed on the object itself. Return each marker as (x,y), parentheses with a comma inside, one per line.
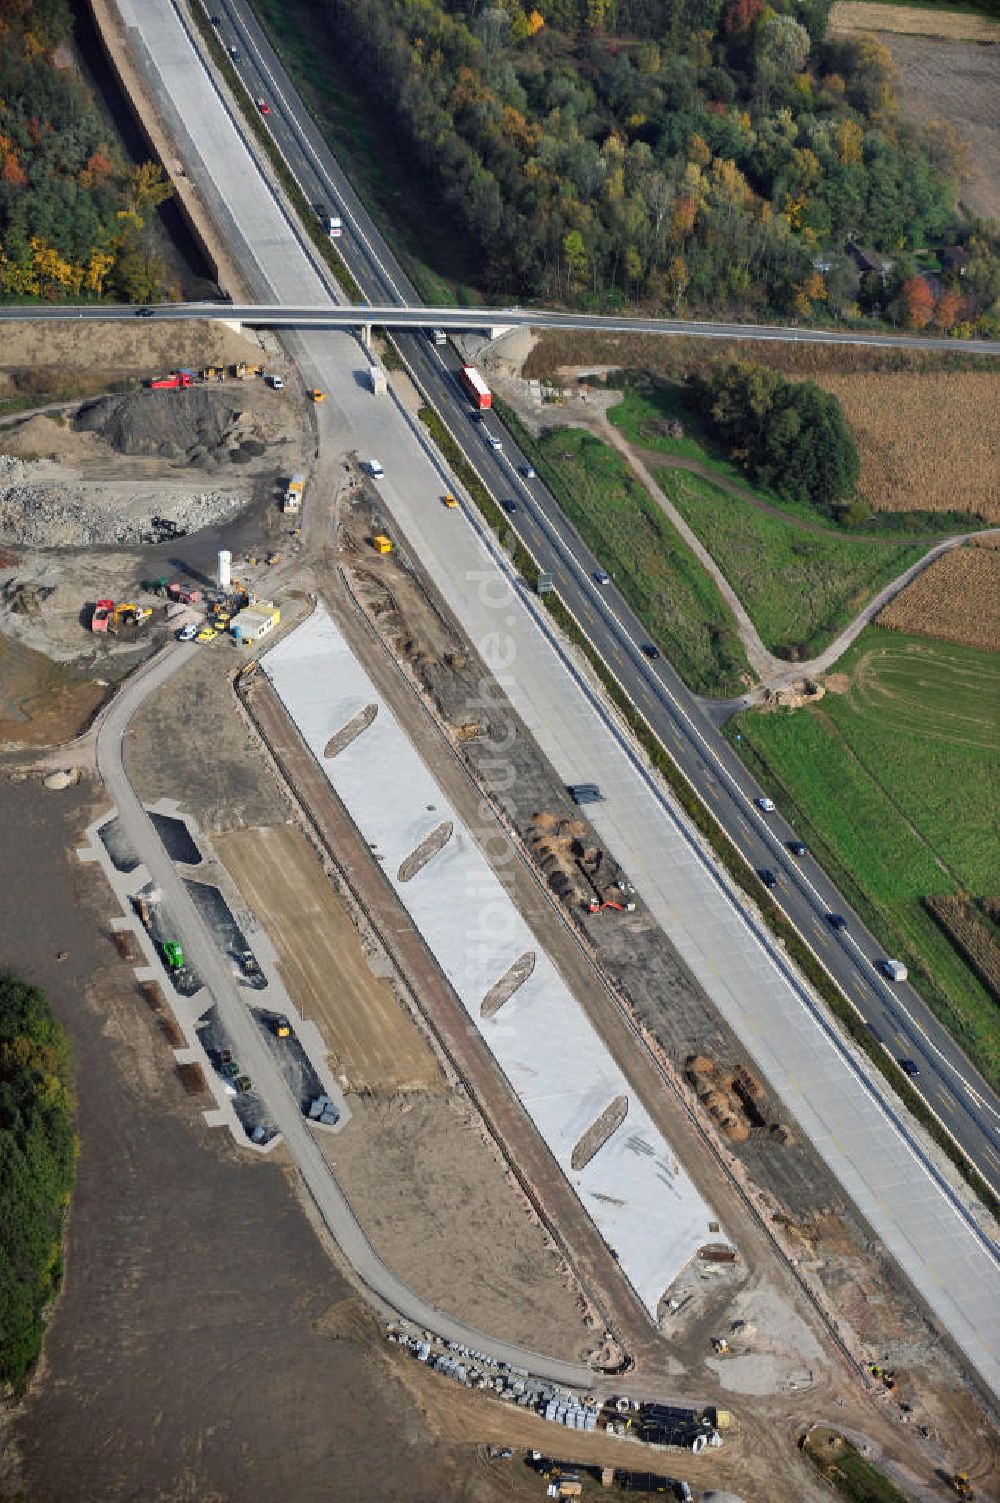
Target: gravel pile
(57,515)
(198,426)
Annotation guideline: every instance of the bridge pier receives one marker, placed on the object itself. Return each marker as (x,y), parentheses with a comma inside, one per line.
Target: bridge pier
(366,336)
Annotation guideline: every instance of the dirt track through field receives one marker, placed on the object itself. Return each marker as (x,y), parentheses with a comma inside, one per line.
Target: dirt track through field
(374,1045)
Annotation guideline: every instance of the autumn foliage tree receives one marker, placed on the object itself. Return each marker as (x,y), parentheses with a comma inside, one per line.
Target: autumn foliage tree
(918,302)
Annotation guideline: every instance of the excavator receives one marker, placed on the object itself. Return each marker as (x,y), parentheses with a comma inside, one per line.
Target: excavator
(129,612)
(961,1486)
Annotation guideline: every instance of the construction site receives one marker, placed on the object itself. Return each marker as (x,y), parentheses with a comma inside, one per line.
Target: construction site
(718,1324)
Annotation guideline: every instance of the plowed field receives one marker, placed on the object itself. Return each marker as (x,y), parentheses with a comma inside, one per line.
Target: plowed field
(957,600)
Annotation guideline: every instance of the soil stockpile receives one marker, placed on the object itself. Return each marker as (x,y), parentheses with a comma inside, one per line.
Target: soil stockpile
(205,428)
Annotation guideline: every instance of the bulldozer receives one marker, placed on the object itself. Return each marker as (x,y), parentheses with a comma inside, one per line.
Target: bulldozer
(214,373)
(961,1486)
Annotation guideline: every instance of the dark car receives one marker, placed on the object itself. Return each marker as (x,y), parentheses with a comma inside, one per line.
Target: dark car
(602,577)
(909,1067)
(320,210)
(215,20)
(144,313)
(797,847)
(768,877)
(837,921)
(528,472)
(510,507)
(649,651)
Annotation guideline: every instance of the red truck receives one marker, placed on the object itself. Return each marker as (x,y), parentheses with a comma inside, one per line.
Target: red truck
(172,382)
(186,594)
(475,387)
(103,611)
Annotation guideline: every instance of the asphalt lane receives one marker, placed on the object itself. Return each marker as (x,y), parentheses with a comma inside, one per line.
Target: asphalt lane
(257,1059)
(949,1084)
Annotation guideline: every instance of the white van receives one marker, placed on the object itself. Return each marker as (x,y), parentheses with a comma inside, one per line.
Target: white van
(895,970)
(438,336)
(374,469)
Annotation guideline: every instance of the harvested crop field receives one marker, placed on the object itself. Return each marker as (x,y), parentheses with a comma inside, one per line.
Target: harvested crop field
(957,468)
(956,600)
(373,1042)
(865,15)
(958,81)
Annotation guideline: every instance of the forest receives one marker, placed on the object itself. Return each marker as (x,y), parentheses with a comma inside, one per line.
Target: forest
(674,155)
(37,1163)
(74,216)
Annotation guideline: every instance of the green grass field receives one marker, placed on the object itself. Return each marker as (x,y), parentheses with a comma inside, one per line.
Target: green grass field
(647,401)
(799,587)
(654,569)
(894,785)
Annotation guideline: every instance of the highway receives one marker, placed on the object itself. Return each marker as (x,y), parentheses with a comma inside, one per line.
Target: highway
(854,1123)
(465,320)
(214,969)
(896,1014)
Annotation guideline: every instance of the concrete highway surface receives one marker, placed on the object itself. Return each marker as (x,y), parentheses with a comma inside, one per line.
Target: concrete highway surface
(255,1057)
(940,1244)
(897,1015)
(465,320)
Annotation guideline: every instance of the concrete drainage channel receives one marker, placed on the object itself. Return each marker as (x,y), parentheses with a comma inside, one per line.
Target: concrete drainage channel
(197,1034)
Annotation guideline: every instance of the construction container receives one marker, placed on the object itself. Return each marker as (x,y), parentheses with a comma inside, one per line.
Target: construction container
(254,622)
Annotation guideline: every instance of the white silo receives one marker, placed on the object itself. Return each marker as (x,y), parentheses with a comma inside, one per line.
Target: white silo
(224,569)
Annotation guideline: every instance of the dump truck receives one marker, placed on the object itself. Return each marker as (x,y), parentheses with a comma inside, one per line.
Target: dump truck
(186,594)
(214,373)
(173,382)
(103,611)
(475,387)
(317,395)
(293,493)
(381,543)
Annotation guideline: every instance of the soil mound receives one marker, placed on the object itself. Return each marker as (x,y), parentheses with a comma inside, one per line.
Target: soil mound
(180,425)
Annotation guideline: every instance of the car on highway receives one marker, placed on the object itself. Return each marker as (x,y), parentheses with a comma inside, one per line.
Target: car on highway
(493,441)
(187,633)
(263,106)
(528,472)
(215,20)
(437,336)
(768,877)
(374,469)
(767,804)
(909,1067)
(234,53)
(798,847)
(449,500)
(837,921)
(207,634)
(144,313)
(509,506)
(649,650)
(602,577)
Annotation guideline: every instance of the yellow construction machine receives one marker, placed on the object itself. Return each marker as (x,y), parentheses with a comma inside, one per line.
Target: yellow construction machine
(961,1485)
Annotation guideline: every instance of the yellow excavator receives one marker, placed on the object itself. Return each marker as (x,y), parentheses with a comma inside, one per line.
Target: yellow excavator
(129,612)
(961,1486)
